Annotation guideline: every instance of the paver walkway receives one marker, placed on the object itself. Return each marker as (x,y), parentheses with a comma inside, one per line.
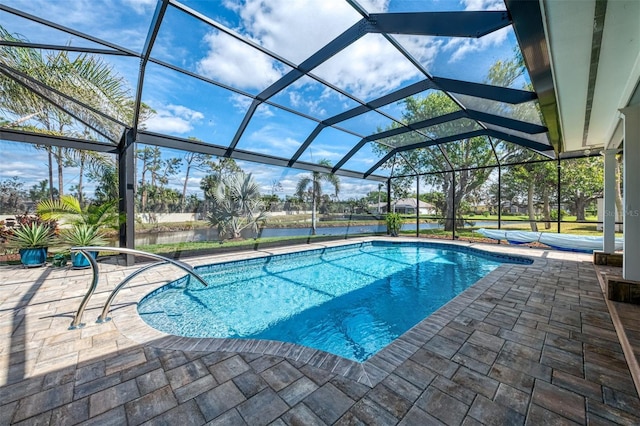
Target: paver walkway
(528,344)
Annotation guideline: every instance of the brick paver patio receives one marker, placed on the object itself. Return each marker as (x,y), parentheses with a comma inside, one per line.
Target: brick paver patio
(528,344)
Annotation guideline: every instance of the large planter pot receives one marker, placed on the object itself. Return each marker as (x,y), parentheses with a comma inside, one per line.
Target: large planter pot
(33,257)
(78,261)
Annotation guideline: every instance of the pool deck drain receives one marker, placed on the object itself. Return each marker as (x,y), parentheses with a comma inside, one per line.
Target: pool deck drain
(527,344)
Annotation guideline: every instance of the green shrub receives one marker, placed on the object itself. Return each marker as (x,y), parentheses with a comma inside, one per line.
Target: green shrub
(554,214)
(33,235)
(83,235)
(394,223)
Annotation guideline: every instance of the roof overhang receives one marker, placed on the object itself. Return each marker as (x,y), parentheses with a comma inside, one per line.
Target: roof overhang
(594,60)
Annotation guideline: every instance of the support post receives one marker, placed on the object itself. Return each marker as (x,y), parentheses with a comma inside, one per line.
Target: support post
(499,198)
(126,190)
(389,195)
(453,204)
(609,216)
(418,206)
(559,188)
(631,225)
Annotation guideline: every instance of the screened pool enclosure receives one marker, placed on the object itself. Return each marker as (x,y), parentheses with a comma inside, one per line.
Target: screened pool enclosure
(451,103)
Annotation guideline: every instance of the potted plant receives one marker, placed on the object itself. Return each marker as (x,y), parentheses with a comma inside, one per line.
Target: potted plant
(394,223)
(32,240)
(87,225)
(82,235)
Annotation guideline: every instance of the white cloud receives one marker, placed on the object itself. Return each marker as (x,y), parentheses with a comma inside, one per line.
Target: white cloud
(237,64)
(108,20)
(315,153)
(272,142)
(368,68)
(423,49)
(141,6)
(173,119)
(464,46)
(185,112)
(29,165)
(356,189)
(312,107)
(289,185)
(242,104)
(272,139)
(264,111)
(294,29)
(298,29)
(483,4)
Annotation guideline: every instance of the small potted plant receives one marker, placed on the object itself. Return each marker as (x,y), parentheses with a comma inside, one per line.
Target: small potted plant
(32,240)
(82,235)
(394,223)
(85,226)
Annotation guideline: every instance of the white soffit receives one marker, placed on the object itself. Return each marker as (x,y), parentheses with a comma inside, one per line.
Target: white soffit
(569,33)
(570,26)
(618,68)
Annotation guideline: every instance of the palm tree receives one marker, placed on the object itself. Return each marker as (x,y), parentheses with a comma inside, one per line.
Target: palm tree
(88,225)
(69,209)
(311,187)
(196,161)
(83,77)
(95,161)
(237,205)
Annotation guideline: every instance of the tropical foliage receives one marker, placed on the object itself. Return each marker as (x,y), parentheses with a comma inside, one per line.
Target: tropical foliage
(472,157)
(88,225)
(192,160)
(32,235)
(68,208)
(583,182)
(11,197)
(310,188)
(465,154)
(236,205)
(394,223)
(83,234)
(37,97)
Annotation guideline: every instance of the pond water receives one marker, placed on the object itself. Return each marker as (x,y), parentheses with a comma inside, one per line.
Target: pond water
(211,234)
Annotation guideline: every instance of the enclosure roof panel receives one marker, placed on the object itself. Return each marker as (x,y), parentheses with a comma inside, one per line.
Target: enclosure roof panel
(280,82)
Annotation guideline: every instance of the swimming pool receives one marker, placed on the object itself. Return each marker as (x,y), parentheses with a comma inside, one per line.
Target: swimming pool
(350,301)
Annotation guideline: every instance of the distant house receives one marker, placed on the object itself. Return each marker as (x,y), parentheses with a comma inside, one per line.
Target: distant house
(404,206)
(480,208)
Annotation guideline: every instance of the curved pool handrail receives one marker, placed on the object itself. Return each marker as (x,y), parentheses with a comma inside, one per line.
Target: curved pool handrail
(105,310)
(94,283)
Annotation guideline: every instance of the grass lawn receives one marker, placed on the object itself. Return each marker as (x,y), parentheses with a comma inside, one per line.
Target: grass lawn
(294,221)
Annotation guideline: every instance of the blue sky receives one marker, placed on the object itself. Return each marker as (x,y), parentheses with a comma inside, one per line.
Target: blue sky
(292,30)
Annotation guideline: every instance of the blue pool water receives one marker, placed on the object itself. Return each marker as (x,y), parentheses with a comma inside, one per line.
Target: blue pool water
(351,301)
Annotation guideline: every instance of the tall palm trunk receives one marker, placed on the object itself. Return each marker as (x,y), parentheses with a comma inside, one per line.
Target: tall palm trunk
(80,199)
(183,202)
(59,160)
(50,164)
(313,213)
(546,209)
(530,207)
(315,191)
